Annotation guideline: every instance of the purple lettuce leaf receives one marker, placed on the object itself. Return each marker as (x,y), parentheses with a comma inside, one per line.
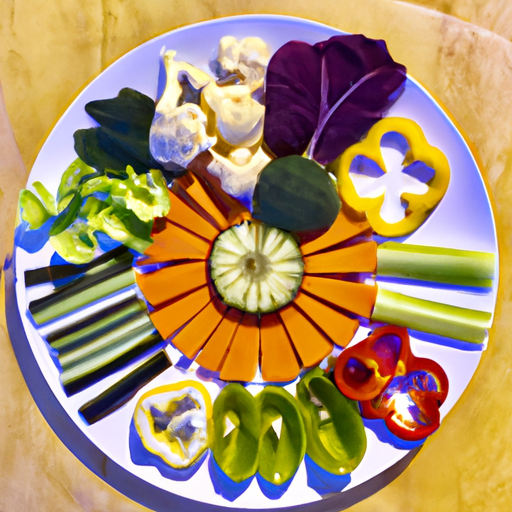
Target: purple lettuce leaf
(324,98)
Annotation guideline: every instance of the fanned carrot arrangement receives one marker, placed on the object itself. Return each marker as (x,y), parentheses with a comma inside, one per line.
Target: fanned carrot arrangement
(230,337)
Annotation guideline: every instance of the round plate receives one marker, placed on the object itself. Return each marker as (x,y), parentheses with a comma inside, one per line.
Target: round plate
(462,220)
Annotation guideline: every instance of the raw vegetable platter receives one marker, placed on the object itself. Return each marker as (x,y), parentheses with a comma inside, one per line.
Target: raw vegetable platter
(176,386)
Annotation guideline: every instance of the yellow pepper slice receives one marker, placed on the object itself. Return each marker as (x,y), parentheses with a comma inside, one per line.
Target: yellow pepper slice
(173,422)
(419,206)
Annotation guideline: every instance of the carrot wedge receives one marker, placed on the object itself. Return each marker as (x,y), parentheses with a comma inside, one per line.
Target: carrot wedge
(193,336)
(169,319)
(355,297)
(336,325)
(212,355)
(342,229)
(356,258)
(192,191)
(182,214)
(165,284)
(278,360)
(241,362)
(175,243)
(310,344)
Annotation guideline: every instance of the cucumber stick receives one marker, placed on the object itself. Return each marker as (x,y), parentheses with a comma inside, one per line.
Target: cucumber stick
(118,394)
(431,317)
(77,297)
(435,264)
(120,352)
(103,322)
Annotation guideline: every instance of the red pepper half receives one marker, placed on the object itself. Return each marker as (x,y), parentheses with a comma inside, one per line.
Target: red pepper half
(392,384)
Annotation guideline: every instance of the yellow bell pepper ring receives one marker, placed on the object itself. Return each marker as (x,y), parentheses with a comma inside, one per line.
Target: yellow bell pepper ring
(419,206)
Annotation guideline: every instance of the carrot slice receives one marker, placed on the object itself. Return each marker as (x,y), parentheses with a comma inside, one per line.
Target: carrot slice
(336,325)
(241,362)
(356,258)
(192,191)
(278,360)
(182,214)
(170,318)
(166,284)
(309,342)
(193,336)
(355,297)
(342,229)
(175,243)
(212,355)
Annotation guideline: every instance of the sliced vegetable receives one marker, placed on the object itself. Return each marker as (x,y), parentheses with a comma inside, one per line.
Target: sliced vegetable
(436,264)
(392,383)
(418,205)
(280,453)
(236,451)
(337,442)
(255,267)
(172,422)
(295,194)
(115,354)
(125,389)
(53,273)
(432,317)
(325,97)
(89,329)
(84,291)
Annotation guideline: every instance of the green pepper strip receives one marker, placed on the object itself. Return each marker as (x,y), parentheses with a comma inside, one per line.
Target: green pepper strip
(419,206)
(279,457)
(337,443)
(237,452)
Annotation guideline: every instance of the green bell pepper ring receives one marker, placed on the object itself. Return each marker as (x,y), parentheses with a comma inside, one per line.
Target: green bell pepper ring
(279,457)
(338,442)
(237,452)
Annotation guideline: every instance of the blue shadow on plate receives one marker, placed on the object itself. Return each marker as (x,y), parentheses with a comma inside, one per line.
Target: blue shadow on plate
(223,485)
(322,481)
(447,342)
(384,435)
(32,240)
(142,457)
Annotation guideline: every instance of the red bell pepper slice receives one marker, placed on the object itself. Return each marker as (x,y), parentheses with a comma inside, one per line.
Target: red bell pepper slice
(393,384)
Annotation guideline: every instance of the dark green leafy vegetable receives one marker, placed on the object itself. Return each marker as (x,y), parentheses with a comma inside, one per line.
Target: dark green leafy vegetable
(122,138)
(324,98)
(295,194)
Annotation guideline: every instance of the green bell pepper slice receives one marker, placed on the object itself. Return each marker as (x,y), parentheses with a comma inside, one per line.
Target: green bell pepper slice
(237,452)
(279,457)
(337,443)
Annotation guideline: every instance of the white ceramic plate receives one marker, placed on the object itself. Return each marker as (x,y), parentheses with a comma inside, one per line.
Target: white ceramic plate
(463,220)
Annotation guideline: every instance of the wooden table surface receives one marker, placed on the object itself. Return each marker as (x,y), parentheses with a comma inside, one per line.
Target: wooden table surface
(50,49)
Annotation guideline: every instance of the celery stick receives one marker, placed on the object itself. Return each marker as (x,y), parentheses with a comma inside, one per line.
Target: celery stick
(118,394)
(432,317)
(76,299)
(435,264)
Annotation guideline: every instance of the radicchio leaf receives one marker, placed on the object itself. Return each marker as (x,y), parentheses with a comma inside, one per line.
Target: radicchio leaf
(324,98)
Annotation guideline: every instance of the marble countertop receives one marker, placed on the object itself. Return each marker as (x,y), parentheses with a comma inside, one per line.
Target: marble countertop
(49,50)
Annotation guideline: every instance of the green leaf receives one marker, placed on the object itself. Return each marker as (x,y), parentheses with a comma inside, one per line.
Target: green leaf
(295,194)
(67,216)
(32,209)
(73,177)
(123,135)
